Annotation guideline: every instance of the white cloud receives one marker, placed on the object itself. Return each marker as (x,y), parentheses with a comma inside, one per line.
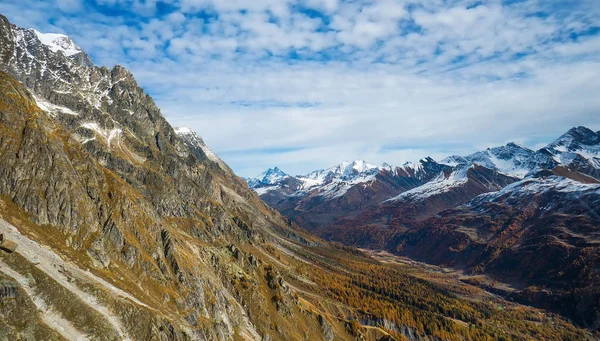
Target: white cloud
(69,5)
(268,82)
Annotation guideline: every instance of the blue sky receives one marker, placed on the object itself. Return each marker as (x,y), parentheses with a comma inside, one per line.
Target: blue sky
(307,84)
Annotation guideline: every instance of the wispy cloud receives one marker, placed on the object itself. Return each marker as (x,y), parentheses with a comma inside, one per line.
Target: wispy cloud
(306,84)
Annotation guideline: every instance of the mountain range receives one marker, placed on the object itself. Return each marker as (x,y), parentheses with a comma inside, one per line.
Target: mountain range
(122,227)
(527,218)
(318,198)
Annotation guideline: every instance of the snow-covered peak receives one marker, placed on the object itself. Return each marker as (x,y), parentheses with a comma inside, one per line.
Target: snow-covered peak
(272,176)
(511,159)
(575,138)
(189,135)
(58,42)
(579,142)
(349,169)
(454,161)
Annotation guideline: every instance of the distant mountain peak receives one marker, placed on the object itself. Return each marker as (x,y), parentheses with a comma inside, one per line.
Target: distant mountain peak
(516,145)
(272,176)
(356,166)
(578,135)
(274,170)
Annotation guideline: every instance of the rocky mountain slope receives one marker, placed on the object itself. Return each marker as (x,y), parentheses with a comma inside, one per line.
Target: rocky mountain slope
(128,229)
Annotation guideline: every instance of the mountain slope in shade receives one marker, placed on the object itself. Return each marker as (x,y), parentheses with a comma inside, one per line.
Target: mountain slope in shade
(542,231)
(128,229)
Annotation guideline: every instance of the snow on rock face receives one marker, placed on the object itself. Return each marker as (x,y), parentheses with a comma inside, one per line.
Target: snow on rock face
(59,42)
(264,190)
(440,184)
(53,109)
(108,135)
(535,186)
(579,141)
(183,131)
(195,141)
(512,159)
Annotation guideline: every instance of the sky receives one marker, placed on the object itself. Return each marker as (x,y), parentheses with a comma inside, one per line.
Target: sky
(304,85)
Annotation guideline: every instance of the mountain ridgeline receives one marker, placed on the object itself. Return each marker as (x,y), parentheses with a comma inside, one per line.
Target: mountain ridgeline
(128,229)
(526,218)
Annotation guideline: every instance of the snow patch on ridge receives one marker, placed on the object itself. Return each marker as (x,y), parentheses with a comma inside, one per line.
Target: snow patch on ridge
(440,184)
(538,186)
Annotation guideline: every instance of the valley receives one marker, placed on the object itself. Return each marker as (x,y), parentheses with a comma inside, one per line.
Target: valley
(516,215)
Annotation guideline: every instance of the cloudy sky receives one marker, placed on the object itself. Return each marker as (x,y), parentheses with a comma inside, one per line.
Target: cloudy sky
(307,84)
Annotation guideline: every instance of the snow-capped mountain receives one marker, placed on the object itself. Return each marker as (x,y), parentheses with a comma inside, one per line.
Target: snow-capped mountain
(324,180)
(512,159)
(320,197)
(579,148)
(337,180)
(323,195)
(272,176)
